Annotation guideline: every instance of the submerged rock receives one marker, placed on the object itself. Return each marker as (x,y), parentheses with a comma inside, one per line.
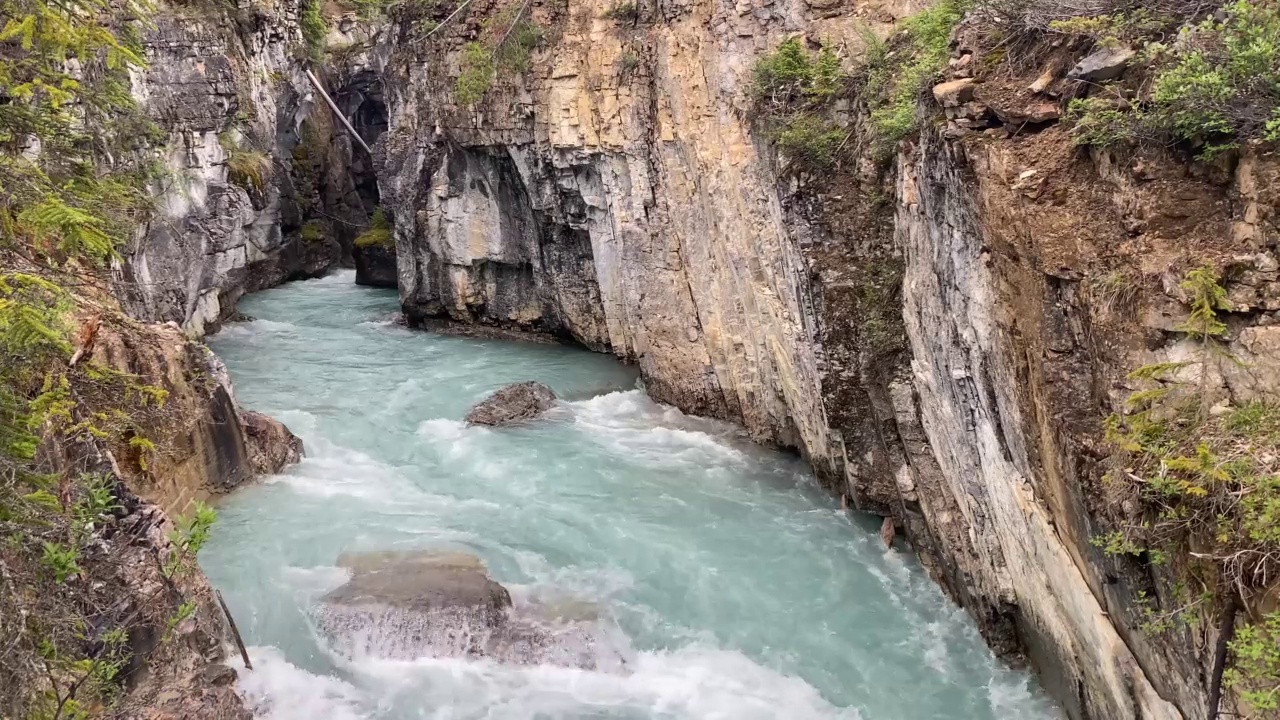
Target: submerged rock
(270,445)
(403,605)
(512,403)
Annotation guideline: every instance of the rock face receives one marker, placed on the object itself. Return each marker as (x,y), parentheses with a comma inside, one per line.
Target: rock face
(934,344)
(405,605)
(204,443)
(512,404)
(271,446)
(226,90)
(375,266)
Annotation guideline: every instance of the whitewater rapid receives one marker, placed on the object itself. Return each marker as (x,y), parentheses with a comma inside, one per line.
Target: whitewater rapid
(732,587)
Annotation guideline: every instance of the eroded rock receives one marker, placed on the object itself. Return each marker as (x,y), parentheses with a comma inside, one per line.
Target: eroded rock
(375,265)
(954,93)
(404,605)
(270,444)
(512,404)
(1105,64)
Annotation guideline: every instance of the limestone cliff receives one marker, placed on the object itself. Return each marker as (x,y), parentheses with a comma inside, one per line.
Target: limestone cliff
(932,339)
(257,187)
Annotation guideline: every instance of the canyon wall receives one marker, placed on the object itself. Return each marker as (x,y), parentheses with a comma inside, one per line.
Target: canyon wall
(248,194)
(932,338)
(937,338)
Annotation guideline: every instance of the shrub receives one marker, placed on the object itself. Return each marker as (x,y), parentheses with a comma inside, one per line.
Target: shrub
(507,45)
(249,169)
(791,73)
(378,234)
(314,29)
(313,232)
(477,74)
(630,60)
(897,76)
(810,139)
(1255,670)
(1182,475)
(1216,84)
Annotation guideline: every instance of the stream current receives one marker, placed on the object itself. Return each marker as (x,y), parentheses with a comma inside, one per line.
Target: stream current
(731,585)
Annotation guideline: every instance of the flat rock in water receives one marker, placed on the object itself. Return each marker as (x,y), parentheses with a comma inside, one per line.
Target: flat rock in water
(512,404)
(403,605)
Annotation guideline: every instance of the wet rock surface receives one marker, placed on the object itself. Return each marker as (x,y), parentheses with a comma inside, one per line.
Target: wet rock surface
(512,404)
(375,265)
(403,605)
(270,444)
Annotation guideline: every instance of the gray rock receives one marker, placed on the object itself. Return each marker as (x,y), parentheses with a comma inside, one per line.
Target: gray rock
(1104,64)
(375,265)
(403,605)
(271,446)
(511,404)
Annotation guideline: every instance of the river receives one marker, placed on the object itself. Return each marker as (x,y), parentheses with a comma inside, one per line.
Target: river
(732,585)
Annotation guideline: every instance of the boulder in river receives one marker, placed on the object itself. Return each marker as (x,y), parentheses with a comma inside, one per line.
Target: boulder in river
(403,605)
(511,404)
(270,445)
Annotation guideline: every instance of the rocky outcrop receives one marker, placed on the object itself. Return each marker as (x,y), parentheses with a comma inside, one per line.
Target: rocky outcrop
(512,404)
(933,339)
(257,187)
(173,668)
(376,266)
(406,605)
(192,441)
(271,446)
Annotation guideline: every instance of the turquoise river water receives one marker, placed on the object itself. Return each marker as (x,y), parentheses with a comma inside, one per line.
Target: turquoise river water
(733,587)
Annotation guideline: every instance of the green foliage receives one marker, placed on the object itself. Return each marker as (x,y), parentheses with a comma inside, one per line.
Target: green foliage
(1215,85)
(247,168)
(59,118)
(1115,543)
(506,45)
(313,232)
(477,74)
(897,77)
(1100,121)
(792,73)
(628,61)
(188,538)
(1113,31)
(1255,666)
(378,234)
(810,139)
(1185,478)
(60,560)
(794,87)
(1207,297)
(184,611)
(315,29)
(514,52)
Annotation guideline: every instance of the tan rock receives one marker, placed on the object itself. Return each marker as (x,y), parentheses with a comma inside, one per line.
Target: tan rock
(954,93)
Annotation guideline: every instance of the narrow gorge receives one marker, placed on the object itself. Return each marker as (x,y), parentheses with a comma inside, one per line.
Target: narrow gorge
(1003,273)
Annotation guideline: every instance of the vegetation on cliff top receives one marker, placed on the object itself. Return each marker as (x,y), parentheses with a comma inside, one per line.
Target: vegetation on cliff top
(378,234)
(1211,83)
(315,29)
(794,88)
(73,170)
(506,42)
(898,73)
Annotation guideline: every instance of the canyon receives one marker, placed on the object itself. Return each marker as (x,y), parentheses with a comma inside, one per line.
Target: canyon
(940,333)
